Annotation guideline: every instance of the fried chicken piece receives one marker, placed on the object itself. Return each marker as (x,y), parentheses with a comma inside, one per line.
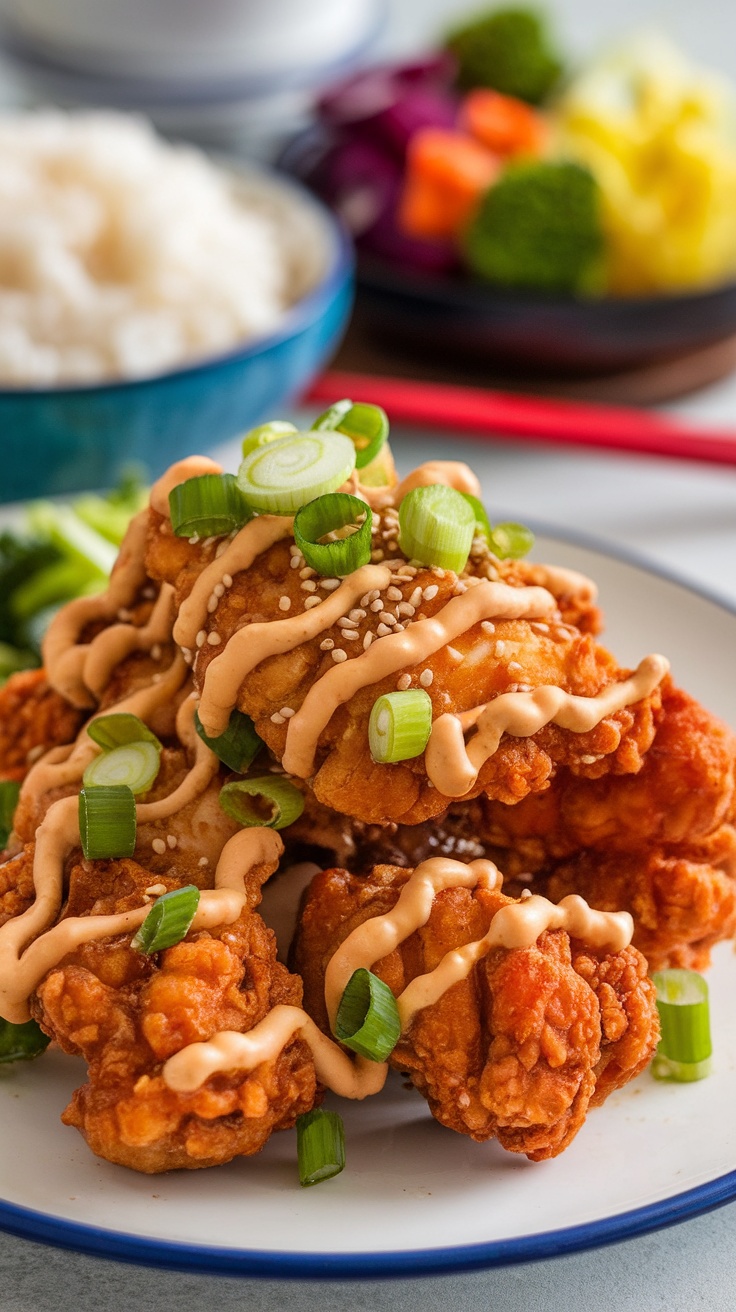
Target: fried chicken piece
(474,669)
(125,1013)
(33,718)
(521,1048)
(660,844)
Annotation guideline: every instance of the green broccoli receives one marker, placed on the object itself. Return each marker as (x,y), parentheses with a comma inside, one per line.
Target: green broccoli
(538,228)
(509,50)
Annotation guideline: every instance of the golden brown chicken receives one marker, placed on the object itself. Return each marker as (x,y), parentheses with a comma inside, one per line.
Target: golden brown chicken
(527,1041)
(33,718)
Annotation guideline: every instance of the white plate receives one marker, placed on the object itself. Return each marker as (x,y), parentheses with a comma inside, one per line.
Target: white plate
(416,1198)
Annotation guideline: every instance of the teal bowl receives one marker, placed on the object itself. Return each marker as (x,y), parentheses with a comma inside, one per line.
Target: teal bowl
(66,439)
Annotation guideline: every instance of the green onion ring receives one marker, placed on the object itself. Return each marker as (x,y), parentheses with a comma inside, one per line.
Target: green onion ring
(248,800)
(366,425)
(436,527)
(684,1052)
(511,541)
(239,744)
(368,1018)
(118,729)
(328,514)
(168,921)
(287,473)
(482,522)
(134,764)
(266,433)
(399,726)
(107,822)
(208,506)
(320,1146)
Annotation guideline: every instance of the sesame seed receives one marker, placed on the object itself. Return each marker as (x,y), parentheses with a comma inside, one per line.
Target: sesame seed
(513,667)
(155,678)
(172,840)
(459,588)
(329,585)
(377,555)
(124,614)
(192,541)
(155,890)
(307,572)
(368,639)
(540,627)
(430,592)
(201,636)
(347,623)
(156,651)
(214,639)
(308,585)
(488,627)
(287,712)
(338,655)
(149,593)
(454,654)
(405,608)
(218,589)
(588,760)
(276,718)
(227,580)
(352,635)
(158,846)
(525,894)
(416,597)
(212,604)
(326,645)
(499,649)
(425,678)
(357,614)
(294,550)
(203,861)
(284,602)
(295,562)
(403,682)
(382,631)
(376,605)
(394,594)
(312,601)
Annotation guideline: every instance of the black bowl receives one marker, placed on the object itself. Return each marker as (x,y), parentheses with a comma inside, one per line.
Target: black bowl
(441,315)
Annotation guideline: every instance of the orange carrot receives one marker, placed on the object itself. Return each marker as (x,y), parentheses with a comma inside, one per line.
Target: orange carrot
(446,175)
(502,123)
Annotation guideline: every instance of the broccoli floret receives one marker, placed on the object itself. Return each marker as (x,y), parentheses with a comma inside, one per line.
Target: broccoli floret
(538,228)
(509,50)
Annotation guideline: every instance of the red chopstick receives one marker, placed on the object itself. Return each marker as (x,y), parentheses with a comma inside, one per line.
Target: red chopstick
(500,415)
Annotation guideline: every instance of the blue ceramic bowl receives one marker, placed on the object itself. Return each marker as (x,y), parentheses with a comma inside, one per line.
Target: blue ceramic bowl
(65,439)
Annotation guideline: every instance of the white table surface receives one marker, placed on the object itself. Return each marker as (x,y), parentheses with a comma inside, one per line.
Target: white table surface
(681,516)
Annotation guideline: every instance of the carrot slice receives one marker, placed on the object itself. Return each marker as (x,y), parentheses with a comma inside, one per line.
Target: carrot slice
(502,123)
(446,174)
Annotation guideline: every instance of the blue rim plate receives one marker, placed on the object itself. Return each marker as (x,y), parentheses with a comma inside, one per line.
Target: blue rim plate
(416,1199)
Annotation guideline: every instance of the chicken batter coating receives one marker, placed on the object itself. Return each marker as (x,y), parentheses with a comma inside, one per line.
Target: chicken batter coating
(520,1048)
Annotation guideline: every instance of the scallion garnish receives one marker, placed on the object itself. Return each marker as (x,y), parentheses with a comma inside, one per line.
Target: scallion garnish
(21,1042)
(9,793)
(366,425)
(436,526)
(684,1052)
(285,474)
(482,522)
(168,920)
(107,821)
(119,729)
(400,725)
(320,1146)
(238,746)
(367,1019)
(265,433)
(269,800)
(328,515)
(135,764)
(208,506)
(511,541)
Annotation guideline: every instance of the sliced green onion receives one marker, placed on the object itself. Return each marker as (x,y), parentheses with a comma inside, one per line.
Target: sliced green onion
(168,920)
(482,522)
(265,433)
(119,729)
(269,800)
(366,425)
(436,527)
(135,764)
(400,725)
(327,515)
(684,1052)
(107,821)
(381,472)
(320,1146)
(238,746)
(285,474)
(208,506)
(511,541)
(368,1019)
(21,1042)
(9,793)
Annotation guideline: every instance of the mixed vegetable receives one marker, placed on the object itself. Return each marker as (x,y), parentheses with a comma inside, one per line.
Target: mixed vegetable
(494,157)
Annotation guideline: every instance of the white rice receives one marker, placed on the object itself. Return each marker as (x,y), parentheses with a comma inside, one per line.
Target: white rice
(122,256)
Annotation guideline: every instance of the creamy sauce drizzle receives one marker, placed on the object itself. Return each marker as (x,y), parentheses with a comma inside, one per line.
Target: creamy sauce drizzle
(190,467)
(517,925)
